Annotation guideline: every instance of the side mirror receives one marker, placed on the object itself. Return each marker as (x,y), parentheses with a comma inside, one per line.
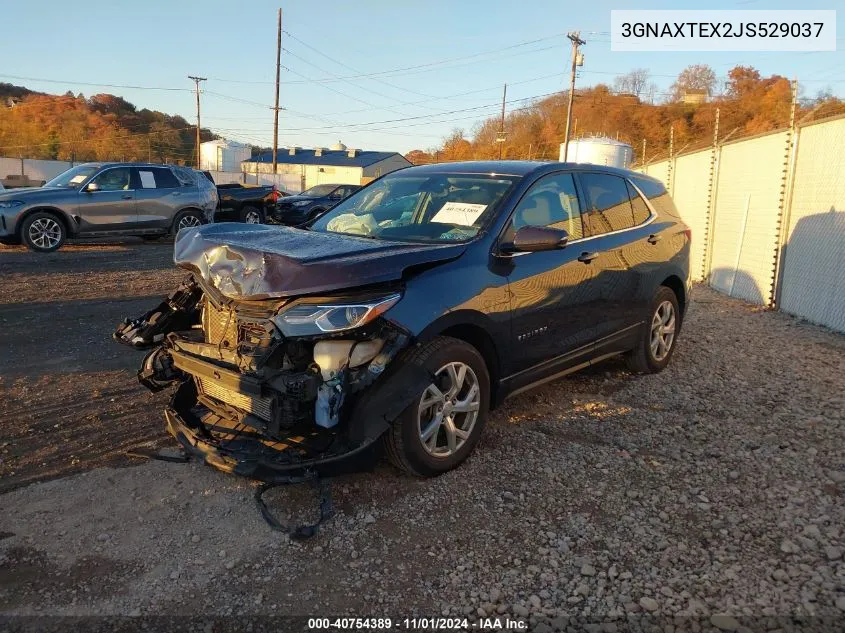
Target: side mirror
(91,187)
(530,239)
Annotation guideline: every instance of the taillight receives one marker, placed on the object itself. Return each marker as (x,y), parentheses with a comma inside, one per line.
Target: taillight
(275,194)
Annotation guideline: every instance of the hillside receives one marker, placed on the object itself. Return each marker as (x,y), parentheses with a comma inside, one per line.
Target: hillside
(101,127)
(749,104)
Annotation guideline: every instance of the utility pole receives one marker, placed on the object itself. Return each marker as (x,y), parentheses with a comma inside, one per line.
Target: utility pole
(197,81)
(500,139)
(276,106)
(577,60)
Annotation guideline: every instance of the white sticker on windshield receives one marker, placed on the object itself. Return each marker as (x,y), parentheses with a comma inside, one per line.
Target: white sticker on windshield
(77,179)
(148,180)
(462,213)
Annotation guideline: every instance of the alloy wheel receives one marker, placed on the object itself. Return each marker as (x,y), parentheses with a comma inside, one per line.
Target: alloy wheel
(45,233)
(252,217)
(188,222)
(446,417)
(662,330)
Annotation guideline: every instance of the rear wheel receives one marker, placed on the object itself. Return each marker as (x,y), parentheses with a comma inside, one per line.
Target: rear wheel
(657,341)
(252,215)
(442,426)
(187,220)
(43,232)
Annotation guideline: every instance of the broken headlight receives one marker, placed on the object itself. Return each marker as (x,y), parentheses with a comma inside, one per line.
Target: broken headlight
(308,319)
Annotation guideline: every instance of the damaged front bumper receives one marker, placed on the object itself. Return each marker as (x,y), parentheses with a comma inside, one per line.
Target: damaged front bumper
(253,402)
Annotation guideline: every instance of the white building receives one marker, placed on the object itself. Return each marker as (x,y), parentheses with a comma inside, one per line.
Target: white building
(335,165)
(223,155)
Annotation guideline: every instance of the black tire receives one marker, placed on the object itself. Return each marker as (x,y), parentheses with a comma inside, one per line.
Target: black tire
(250,212)
(402,442)
(47,235)
(642,358)
(182,216)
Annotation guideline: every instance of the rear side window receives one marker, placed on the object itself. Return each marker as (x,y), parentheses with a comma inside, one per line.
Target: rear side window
(641,210)
(610,205)
(657,195)
(157,178)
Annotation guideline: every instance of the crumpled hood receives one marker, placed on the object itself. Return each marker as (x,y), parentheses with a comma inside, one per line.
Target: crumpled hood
(254,261)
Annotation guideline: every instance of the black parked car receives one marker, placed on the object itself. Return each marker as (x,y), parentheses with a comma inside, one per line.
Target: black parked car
(309,204)
(409,310)
(238,203)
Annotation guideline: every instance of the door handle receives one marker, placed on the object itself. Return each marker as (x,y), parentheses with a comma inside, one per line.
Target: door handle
(654,238)
(126,197)
(587,257)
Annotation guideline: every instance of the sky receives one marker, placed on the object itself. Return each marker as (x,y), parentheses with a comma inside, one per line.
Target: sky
(391,76)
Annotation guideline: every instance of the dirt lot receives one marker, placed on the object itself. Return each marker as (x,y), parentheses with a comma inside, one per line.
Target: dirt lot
(710,494)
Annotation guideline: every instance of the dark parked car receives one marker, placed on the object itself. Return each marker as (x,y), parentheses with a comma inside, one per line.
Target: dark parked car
(309,204)
(409,310)
(239,203)
(98,199)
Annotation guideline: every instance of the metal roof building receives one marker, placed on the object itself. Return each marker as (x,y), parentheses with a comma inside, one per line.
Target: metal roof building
(321,165)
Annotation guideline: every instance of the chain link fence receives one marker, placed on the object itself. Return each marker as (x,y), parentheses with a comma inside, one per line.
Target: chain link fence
(768,217)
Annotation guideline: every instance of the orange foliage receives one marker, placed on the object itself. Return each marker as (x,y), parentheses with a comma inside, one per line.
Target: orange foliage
(752,104)
(103,127)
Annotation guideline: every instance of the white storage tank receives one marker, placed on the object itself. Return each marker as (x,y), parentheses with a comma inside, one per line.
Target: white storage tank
(223,155)
(599,150)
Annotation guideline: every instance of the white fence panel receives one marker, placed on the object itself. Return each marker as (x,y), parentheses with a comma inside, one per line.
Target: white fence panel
(813,263)
(691,176)
(746,217)
(33,169)
(292,183)
(659,170)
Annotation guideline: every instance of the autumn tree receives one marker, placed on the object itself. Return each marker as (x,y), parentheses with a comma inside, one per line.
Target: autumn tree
(695,77)
(634,82)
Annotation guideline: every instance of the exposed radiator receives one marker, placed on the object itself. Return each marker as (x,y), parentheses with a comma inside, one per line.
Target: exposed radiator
(262,407)
(220,326)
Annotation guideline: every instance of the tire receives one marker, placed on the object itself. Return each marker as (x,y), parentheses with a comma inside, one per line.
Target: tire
(151,238)
(186,219)
(43,232)
(644,359)
(403,441)
(252,215)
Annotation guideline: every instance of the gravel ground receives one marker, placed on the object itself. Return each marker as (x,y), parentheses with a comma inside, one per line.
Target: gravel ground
(706,497)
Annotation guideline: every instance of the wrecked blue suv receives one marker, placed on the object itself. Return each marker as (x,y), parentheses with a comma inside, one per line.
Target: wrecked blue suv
(400,317)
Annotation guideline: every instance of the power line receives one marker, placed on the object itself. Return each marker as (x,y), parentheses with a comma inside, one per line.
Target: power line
(347,66)
(96,85)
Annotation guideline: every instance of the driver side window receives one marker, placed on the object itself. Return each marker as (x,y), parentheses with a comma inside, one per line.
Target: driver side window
(552,201)
(116,179)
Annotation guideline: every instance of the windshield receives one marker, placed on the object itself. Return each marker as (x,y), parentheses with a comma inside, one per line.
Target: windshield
(73,177)
(319,191)
(429,208)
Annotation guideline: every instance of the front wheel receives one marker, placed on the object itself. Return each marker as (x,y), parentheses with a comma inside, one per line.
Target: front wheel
(441,427)
(251,215)
(657,342)
(43,232)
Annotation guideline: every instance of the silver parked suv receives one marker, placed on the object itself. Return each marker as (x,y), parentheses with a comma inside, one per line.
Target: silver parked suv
(99,199)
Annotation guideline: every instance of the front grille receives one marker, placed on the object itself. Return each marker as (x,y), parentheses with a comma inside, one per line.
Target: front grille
(262,407)
(220,326)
